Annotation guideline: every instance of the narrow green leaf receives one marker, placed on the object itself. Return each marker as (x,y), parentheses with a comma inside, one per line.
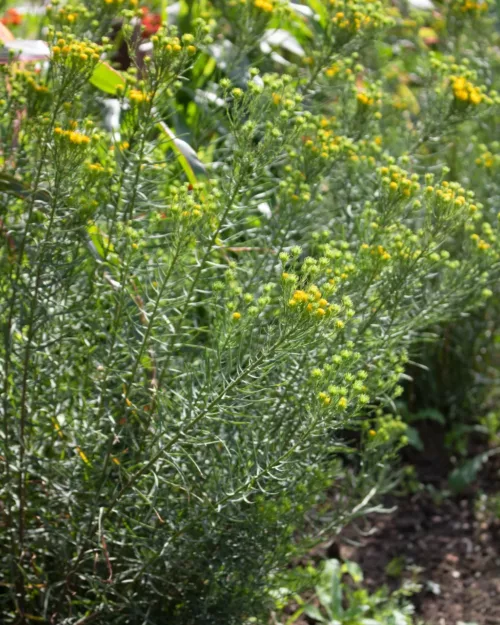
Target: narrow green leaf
(13,186)
(185,154)
(430,414)
(291,620)
(329,588)
(101,245)
(313,612)
(163,11)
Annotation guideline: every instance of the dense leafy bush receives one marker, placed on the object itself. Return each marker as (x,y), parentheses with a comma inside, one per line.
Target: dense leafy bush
(209,293)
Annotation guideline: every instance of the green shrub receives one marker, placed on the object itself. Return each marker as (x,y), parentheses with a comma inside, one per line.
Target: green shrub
(201,350)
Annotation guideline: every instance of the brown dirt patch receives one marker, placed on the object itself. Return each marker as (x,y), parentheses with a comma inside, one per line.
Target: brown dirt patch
(455,550)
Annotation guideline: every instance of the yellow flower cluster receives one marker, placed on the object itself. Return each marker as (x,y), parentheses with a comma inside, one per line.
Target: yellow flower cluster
(481,243)
(341,69)
(368,96)
(173,45)
(138,97)
(382,252)
(264,5)
(30,79)
(399,181)
(96,168)
(333,70)
(450,193)
(469,6)
(326,400)
(131,3)
(314,302)
(353,16)
(364,99)
(191,203)
(325,143)
(73,136)
(357,21)
(389,428)
(465,91)
(66,15)
(80,50)
(487,159)
(195,212)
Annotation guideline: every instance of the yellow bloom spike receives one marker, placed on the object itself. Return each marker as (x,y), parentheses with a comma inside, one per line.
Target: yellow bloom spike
(83,456)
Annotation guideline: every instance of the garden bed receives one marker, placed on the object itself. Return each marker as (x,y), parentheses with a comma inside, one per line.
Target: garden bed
(454,548)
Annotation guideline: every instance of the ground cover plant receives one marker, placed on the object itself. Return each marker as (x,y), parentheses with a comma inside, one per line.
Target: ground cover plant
(225,227)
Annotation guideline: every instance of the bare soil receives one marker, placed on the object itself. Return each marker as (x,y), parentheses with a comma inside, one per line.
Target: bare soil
(453,551)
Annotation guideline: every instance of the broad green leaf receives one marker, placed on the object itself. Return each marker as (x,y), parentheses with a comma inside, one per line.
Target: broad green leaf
(329,588)
(400,618)
(465,474)
(107,79)
(414,438)
(354,570)
(318,7)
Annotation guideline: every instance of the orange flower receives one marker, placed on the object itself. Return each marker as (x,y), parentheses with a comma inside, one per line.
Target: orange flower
(151,22)
(12,18)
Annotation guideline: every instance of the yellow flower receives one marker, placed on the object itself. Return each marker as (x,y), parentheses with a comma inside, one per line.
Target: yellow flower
(77,138)
(96,167)
(325,399)
(264,5)
(236,316)
(138,96)
(82,456)
(300,296)
(364,99)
